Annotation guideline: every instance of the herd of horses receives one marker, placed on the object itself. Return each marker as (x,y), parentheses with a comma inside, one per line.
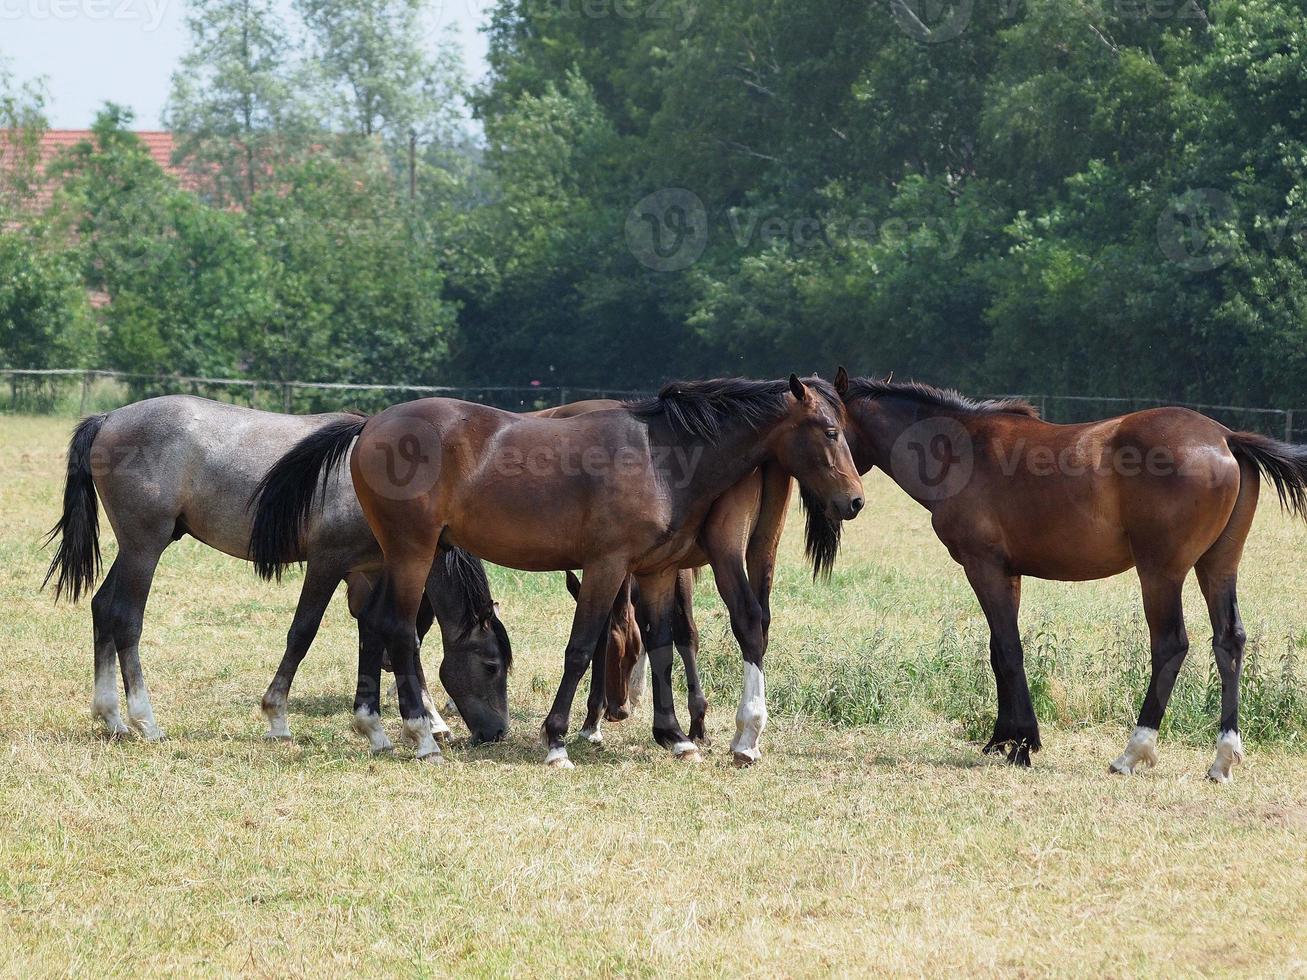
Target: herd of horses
(639,496)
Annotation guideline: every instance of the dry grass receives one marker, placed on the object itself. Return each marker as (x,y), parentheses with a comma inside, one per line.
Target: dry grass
(850,850)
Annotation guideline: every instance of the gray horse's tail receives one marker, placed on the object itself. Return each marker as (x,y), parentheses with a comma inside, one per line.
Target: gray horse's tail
(76,562)
(284,497)
(1283,462)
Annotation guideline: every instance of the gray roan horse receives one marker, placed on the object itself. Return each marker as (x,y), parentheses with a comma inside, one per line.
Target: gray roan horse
(179,465)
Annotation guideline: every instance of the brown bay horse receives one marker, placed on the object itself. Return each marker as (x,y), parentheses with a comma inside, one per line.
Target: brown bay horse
(613,493)
(744,526)
(1162,491)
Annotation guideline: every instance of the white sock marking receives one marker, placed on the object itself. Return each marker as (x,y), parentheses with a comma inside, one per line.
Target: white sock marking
(1140,750)
(369,726)
(1229,753)
(105,703)
(751,718)
(141,713)
(419,732)
(557,759)
(594,736)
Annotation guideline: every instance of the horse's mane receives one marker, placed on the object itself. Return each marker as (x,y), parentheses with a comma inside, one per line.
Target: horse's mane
(701,408)
(821,536)
(924,394)
(467,577)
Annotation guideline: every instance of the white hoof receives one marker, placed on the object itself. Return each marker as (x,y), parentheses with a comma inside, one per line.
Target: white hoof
(557,759)
(432,758)
(369,726)
(113,723)
(593,735)
(148,730)
(1229,753)
(687,752)
(278,730)
(1141,750)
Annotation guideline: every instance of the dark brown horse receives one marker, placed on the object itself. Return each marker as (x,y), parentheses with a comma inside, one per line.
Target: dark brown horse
(1162,491)
(615,493)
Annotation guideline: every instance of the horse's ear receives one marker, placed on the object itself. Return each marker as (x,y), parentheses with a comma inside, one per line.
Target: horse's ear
(841,381)
(574,586)
(798,388)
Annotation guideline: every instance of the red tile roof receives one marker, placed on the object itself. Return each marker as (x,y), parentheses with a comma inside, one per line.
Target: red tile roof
(53,141)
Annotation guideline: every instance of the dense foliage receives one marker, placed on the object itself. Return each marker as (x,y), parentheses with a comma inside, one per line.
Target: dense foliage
(1030,195)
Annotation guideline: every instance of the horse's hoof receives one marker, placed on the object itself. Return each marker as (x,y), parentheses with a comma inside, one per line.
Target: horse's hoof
(593,736)
(744,759)
(690,755)
(444,736)
(557,759)
(432,759)
(1019,756)
(149,731)
(275,737)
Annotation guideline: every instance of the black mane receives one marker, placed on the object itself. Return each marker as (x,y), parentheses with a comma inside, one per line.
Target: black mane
(467,577)
(924,394)
(700,408)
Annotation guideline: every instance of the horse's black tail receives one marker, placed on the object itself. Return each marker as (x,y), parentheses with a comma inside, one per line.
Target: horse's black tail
(821,539)
(1283,462)
(77,559)
(284,497)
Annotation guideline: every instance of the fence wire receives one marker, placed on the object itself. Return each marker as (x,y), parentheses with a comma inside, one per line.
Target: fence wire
(73,390)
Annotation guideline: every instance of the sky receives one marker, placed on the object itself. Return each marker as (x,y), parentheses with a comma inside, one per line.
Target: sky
(93,51)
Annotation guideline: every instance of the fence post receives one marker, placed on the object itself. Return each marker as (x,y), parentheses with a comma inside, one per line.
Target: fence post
(562,396)
(285,397)
(86,383)
(1288,426)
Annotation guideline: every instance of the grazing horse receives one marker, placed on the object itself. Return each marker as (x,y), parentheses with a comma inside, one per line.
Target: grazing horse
(179,465)
(614,493)
(1163,491)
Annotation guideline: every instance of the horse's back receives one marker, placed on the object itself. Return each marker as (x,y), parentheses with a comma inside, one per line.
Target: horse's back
(189,465)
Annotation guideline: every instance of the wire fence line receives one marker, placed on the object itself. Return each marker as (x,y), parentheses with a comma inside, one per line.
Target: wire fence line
(80,390)
(75,389)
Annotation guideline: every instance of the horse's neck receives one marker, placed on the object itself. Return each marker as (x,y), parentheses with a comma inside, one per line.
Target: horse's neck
(883,440)
(715,467)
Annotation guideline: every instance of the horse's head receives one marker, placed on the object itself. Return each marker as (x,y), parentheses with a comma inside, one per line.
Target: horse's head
(622,645)
(811,446)
(475,673)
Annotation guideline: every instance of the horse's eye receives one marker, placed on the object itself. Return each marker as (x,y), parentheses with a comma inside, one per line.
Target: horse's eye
(832,434)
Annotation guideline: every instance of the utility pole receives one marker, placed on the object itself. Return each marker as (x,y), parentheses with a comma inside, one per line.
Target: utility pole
(412,165)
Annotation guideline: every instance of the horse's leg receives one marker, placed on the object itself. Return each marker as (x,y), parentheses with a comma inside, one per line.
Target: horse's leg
(1164,611)
(685,633)
(367,694)
(594,605)
(1217,574)
(134,568)
(427,617)
(395,618)
(105,703)
(1016,726)
(655,612)
(594,704)
(746,624)
(320,580)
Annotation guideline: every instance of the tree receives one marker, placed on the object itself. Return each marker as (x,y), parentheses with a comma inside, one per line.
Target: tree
(233,105)
(377,76)
(186,285)
(22,124)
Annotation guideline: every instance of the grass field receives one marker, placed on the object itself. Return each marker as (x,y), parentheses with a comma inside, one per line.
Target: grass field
(874,838)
